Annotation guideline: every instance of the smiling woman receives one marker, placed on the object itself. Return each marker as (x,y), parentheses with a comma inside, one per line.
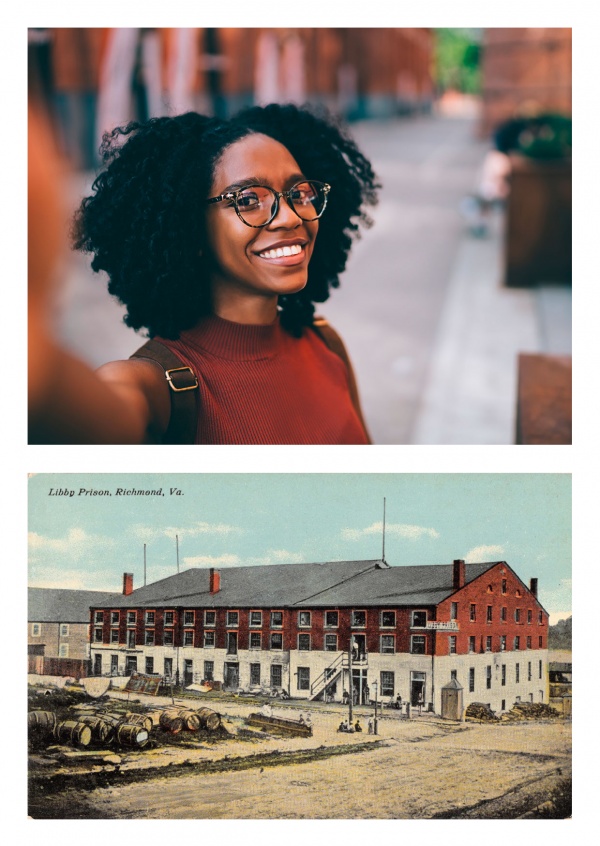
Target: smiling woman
(219,237)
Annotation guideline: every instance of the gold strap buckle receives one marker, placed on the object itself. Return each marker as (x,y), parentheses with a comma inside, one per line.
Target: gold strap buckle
(173,386)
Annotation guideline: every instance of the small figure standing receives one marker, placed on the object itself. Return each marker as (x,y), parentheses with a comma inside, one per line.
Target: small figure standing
(370,726)
(420,701)
(345,697)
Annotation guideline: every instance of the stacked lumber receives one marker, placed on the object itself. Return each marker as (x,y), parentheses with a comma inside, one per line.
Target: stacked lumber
(531,711)
(480,711)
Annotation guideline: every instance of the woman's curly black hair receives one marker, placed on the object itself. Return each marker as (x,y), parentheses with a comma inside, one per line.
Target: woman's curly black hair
(145,221)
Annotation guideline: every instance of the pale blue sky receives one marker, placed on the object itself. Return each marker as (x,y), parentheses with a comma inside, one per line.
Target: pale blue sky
(233,519)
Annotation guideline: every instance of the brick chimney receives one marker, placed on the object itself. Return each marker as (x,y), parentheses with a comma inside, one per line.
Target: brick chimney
(533,586)
(127,583)
(458,574)
(214,580)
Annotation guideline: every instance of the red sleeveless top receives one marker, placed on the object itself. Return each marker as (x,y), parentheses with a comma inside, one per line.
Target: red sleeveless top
(260,385)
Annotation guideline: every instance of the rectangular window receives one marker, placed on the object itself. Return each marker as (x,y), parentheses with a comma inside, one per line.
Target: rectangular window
(473,612)
(472,643)
(36,629)
(490,610)
(255,640)
(188,638)
(503,612)
(63,650)
(517,615)
(517,674)
(233,619)
(503,585)
(502,643)
(255,619)
(168,638)
(149,618)
(303,678)
(503,675)
(359,619)
(210,618)
(452,645)
(529,615)
(168,668)
(540,669)
(388,644)
(131,618)
(276,640)
(488,643)
(453,674)
(488,677)
(131,638)
(517,642)
(64,630)
(304,619)
(232,643)
(114,665)
(528,643)
(529,671)
(114,635)
(209,670)
(417,644)
(149,637)
(304,642)
(98,616)
(276,675)
(388,620)
(331,643)
(471,679)
(149,665)
(188,618)
(540,618)
(254,673)
(331,619)
(98,635)
(276,619)
(169,618)
(419,619)
(541,642)
(454,611)
(209,640)
(386,685)
(115,618)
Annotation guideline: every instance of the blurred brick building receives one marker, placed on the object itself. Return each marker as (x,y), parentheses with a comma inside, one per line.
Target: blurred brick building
(524,71)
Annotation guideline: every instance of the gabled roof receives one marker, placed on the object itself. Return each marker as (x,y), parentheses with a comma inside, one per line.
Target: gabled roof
(326,584)
(55,605)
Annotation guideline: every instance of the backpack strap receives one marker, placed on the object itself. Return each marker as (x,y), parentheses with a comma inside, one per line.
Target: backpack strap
(332,340)
(183,382)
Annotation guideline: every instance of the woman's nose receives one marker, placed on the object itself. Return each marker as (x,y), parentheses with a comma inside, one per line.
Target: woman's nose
(285,216)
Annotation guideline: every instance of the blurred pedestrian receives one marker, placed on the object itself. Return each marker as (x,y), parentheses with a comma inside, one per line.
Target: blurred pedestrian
(207,230)
(370,726)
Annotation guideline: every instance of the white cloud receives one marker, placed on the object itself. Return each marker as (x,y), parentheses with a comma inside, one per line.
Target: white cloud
(225,560)
(51,577)
(75,543)
(278,556)
(485,553)
(402,530)
(152,532)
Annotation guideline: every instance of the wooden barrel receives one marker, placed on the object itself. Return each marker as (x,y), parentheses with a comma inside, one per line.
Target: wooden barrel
(191,720)
(171,721)
(41,720)
(101,730)
(128,735)
(209,719)
(139,720)
(74,732)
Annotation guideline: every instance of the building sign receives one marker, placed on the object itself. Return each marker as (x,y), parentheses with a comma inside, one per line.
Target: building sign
(445,625)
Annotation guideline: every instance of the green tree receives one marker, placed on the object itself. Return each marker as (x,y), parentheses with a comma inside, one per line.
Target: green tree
(457,60)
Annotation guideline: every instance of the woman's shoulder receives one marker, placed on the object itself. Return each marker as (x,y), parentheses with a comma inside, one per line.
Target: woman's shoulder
(142,382)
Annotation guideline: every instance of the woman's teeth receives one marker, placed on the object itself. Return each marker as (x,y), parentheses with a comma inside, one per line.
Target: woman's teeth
(282,251)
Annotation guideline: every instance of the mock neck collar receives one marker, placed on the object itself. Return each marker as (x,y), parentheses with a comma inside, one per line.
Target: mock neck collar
(235,341)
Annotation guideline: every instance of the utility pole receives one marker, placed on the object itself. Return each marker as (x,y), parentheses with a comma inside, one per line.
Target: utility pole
(144,565)
(375,717)
(177,547)
(351,688)
(383,550)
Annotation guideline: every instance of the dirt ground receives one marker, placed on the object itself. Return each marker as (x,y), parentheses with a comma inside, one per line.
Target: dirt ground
(421,768)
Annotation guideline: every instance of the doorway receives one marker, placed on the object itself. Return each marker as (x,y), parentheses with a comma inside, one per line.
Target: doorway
(130,665)
(97,664)
(188,672)
(417,689)
(232,675)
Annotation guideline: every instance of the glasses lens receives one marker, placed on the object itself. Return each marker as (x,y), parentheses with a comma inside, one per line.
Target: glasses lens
(308,199)
(255,204)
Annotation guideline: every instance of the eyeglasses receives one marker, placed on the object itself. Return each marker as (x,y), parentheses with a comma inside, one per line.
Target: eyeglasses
(257,205)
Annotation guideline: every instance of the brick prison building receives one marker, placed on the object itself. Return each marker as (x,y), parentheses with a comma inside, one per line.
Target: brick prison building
(319,630)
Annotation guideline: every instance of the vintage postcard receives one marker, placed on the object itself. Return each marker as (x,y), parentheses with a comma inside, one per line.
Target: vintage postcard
(253,646)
